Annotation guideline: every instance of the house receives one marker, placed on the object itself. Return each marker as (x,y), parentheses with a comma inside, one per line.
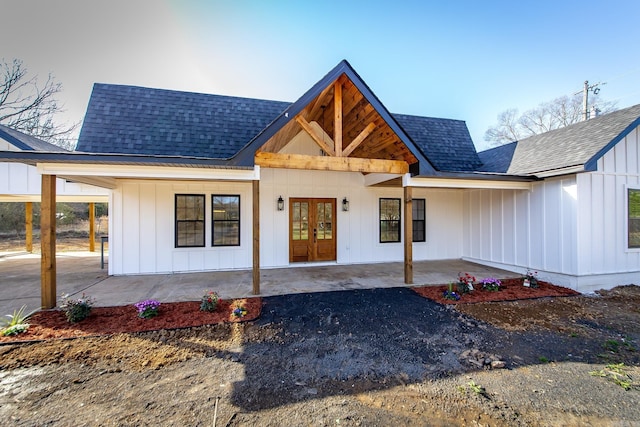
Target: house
(203,182)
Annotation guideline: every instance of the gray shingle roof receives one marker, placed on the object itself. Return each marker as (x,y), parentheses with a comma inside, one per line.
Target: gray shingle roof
(27,142)
(497,159)
(574,145)
(445,142)
(138,120)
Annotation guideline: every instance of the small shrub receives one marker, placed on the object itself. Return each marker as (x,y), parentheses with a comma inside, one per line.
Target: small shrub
(451,294)
(240,311)
(17,322)
(147,308)
(491,284)
(76,309)
(543,359)
(209,301)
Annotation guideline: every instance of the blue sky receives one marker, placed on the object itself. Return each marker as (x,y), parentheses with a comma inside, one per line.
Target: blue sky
(467,60)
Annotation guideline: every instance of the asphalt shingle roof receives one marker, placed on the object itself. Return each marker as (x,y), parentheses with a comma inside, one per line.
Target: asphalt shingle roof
(27,142)
(138,120)
(497,159)
(445,142)
(573,145)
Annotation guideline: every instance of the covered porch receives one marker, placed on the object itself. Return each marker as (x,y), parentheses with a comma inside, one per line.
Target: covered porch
(80,272)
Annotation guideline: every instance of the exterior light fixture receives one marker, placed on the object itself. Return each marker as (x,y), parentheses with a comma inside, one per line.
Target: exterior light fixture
(345,205)
(280,203)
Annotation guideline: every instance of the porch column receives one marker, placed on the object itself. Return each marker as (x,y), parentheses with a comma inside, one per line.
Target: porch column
(48,241)
(256,237)
(28,224)
(92,223)
(408,236)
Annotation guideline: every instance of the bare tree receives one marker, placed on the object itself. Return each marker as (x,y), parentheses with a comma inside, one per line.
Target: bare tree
(551,115)
(31,107)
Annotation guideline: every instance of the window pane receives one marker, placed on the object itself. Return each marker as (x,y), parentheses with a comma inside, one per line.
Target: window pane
(225,220)
(189,210)
(634,218)
(419,227)
(389,220)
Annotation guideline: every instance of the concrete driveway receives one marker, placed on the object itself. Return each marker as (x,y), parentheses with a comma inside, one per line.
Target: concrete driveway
(80,272)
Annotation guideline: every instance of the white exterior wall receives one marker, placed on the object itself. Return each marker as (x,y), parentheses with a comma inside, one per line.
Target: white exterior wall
(604,258)
(142,223)
(519,229)
(20,182)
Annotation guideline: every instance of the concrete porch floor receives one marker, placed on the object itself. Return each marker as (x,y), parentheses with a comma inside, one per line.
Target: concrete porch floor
(80,272)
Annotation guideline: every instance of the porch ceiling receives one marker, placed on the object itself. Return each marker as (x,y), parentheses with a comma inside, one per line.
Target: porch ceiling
(364,133)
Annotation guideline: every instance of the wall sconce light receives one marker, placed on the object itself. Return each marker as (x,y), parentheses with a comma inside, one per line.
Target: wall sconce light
(280,203)
(345,205)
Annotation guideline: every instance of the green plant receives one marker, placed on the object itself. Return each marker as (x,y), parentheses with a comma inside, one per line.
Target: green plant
(543,359)
(451,294)
(476,388)
(239,311)
(611,345)
(491,284)
(17,322)
(465,282)
(209,301)
(530,279)
(617,374)
(147,308)
(76,309)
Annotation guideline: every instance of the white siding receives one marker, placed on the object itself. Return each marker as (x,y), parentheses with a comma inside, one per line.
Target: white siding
(143,215)
(521,229)
(602,215)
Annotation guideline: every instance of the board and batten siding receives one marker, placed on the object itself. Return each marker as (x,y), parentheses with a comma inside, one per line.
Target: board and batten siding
(521,229)
(604,256)
(142,224)
(358,229)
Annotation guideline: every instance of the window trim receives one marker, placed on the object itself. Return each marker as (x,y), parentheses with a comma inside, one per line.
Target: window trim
(213,221)
(628,218)
(423,221)
(399,220)
(177,221)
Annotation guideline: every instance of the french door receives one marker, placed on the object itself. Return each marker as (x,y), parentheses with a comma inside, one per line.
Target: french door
(312,229)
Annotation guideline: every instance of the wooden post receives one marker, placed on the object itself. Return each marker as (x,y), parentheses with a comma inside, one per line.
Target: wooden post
(408,236)
(48,241)
(256,237)
(92,223)
(28,224)
(337,117)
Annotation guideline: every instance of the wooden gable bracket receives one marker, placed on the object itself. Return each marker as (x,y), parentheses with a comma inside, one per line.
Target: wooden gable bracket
(313,134)
(358,139)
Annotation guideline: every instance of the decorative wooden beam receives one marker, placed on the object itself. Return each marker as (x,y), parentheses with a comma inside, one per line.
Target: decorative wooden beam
(408,235)
(337,118)
(256,237)
(28,225)
(341,164)
(358,139)
(92,231)
(48,242)
(317,138)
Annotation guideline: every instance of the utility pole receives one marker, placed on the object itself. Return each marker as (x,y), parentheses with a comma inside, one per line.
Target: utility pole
(585,96)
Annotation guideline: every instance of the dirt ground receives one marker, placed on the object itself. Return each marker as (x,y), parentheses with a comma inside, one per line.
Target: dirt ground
(351,358)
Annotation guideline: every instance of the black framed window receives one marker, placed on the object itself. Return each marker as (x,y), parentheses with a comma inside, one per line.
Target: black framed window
(419,230)
(633,218)
(389,220)
(225,220)
(189,220)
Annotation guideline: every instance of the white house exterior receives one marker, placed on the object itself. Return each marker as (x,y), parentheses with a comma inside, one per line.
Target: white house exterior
(202,182)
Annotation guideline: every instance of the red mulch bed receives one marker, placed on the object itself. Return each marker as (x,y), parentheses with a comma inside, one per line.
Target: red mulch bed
(50,324)
(511,290)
